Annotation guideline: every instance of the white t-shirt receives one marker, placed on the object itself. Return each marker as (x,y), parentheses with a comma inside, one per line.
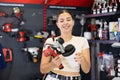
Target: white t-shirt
(80,43)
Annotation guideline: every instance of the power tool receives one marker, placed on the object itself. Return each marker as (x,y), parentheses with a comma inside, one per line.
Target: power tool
(56,48)
(33,51)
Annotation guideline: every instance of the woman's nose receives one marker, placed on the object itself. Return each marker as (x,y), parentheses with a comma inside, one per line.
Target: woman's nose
(65,22)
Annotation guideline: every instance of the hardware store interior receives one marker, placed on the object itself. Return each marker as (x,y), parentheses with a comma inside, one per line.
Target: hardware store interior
(23,35)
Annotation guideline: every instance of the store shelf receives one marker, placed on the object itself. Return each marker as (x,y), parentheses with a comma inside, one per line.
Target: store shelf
(101,15)
(21,5)
(97,15)
(102,41)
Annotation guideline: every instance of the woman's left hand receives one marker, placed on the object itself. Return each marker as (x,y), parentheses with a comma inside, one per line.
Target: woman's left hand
(79,57)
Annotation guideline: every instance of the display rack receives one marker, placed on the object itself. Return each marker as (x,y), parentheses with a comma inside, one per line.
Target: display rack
(22,67)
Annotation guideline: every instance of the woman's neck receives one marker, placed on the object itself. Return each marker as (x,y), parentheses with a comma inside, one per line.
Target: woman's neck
(66,37)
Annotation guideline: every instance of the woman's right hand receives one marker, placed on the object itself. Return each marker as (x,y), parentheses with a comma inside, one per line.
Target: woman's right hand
(56,61)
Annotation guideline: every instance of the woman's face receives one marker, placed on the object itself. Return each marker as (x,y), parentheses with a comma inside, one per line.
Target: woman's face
(65,22)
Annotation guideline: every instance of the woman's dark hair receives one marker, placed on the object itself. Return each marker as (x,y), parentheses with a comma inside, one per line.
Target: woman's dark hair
(64,11)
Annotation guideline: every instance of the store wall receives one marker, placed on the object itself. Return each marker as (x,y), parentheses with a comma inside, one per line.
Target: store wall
(21,67)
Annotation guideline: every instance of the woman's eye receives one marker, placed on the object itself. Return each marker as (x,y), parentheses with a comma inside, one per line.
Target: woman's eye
(61,21)
(69,20)
(65,20)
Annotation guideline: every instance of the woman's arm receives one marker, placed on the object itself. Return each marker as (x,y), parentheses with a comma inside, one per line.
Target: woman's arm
(47,64)
(84,59)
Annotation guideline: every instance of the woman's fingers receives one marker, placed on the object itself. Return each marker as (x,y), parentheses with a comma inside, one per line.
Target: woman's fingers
(57,61)
(78,57)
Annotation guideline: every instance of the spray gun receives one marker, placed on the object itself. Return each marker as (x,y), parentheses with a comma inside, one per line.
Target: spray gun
(22,36)
(41,34)
(56,48)
(33,51)
(19,15)
(57,45)
(8,28)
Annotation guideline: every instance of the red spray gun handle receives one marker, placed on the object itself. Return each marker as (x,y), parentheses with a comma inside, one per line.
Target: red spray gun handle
(50,52)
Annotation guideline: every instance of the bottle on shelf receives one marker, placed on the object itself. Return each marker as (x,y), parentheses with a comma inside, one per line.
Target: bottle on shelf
(105,31)
(99,8)
(104,7)
(87,33)
(119,24)
(82,22)
(100,30)
(110,8)
(93,28)
(117,66)
(118,61)
(94,8)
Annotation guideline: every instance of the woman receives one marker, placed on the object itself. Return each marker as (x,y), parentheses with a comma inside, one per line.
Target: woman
(72,63)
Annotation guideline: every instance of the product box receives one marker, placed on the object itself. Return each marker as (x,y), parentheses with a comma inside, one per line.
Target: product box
(113,28)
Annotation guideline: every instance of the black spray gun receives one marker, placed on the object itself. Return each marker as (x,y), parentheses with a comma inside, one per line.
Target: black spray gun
(56,48)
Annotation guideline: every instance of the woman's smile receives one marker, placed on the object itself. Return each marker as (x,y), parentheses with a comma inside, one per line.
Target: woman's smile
(66,26)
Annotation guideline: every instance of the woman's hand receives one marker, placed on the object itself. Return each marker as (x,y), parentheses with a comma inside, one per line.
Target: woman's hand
(79,57)
(83,59)
(56,61)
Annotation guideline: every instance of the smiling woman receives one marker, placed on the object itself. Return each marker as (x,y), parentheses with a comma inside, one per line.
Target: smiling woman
(71,64)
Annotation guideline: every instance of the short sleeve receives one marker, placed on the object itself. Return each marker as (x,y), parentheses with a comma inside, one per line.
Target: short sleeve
(48,41)
(86,44)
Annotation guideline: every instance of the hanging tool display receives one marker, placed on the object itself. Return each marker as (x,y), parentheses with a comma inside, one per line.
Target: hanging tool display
(56,48)
(19,15)
(22,36)
(15,32)
(8,28)
(41,34)
(32,53)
